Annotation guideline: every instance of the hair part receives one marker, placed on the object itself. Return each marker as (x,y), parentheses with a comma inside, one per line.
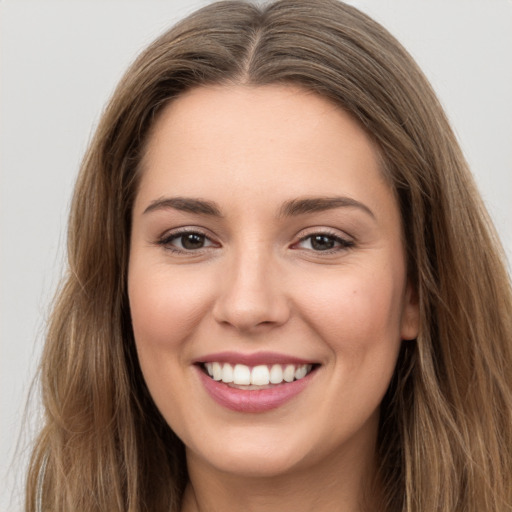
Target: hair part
(445,439)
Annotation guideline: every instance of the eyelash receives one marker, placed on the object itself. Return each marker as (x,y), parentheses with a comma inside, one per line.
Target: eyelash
(167,240)
(343,243)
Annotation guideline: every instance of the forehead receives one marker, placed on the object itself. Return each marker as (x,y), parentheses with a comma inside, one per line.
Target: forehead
(253,142)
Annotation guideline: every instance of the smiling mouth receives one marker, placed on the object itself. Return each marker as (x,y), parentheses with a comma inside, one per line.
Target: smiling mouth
(262,376)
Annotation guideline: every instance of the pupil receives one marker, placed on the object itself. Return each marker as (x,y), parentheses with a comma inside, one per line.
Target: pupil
(192,241)
(322,242)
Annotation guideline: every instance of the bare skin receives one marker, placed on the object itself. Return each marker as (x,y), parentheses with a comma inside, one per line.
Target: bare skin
(263,224)
(328,488)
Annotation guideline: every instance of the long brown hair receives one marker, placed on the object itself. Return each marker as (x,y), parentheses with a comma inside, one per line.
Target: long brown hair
(445,440)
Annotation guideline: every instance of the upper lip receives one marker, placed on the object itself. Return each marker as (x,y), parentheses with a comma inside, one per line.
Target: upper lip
(254,359)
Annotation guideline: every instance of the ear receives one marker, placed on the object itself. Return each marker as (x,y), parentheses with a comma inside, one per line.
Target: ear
(410,321)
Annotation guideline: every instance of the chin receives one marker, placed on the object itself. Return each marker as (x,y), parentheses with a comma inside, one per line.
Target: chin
(254,463)
(257,455)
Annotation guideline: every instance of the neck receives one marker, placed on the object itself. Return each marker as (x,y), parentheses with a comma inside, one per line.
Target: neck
(344,482)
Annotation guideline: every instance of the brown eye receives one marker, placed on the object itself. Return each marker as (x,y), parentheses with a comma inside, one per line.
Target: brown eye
(186,241)
(322,242)
(191,241)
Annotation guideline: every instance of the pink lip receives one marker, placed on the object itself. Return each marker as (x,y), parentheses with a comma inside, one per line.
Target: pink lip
(252,401)
(252,359)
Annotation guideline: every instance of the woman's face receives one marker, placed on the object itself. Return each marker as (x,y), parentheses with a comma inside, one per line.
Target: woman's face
(267,251)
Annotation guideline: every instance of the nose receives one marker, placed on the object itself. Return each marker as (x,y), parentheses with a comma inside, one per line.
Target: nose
(252,294)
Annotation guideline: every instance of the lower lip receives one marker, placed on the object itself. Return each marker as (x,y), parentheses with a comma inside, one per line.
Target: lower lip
(254,400)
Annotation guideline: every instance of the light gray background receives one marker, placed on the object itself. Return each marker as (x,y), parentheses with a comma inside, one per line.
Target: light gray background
(60,61)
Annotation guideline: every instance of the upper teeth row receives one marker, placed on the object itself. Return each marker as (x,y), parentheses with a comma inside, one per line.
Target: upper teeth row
(257,375)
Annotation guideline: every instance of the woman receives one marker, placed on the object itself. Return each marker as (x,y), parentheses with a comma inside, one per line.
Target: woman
(284,291)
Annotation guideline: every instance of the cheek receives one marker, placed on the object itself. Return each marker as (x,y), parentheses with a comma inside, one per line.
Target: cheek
(165,306)
(357,311)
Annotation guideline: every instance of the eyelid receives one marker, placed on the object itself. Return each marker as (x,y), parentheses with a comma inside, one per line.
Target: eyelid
(324,230)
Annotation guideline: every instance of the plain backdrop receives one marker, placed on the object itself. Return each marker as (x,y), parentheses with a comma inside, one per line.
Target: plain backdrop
(59,63)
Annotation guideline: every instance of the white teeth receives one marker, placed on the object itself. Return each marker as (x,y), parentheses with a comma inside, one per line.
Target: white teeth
(289,373)
(227,373)
(242,374)
(217,371)
(260,376)
(276,374)
(300,372)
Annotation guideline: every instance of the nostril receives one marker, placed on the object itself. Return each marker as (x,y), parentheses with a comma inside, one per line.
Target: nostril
(250,316)
(251,295)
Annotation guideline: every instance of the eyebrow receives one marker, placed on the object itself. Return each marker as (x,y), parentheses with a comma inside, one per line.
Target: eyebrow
(290,208)
(185,204)
(319,204)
